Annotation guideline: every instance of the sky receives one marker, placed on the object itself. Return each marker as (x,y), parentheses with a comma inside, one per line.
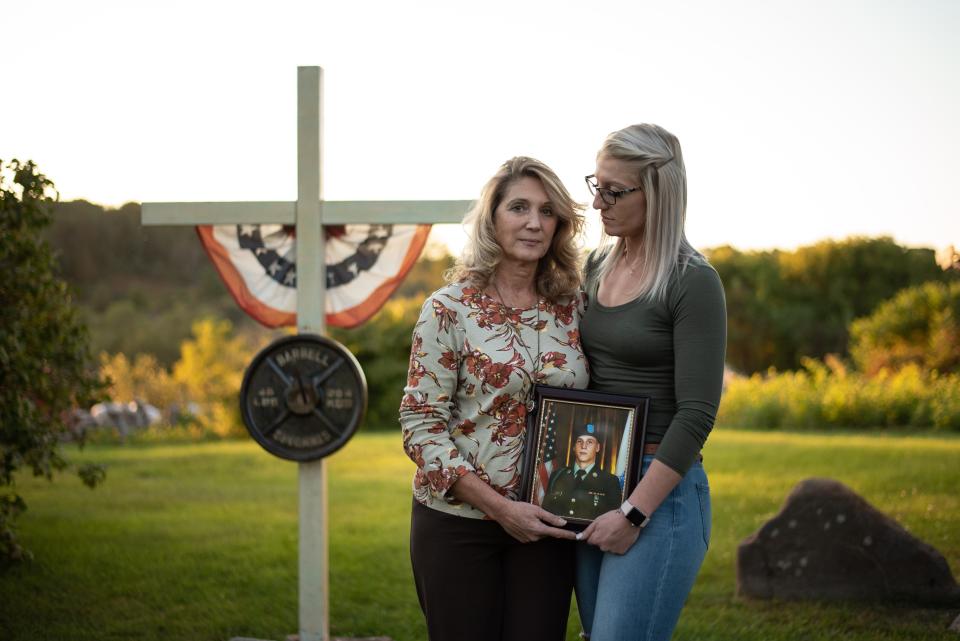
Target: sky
(799,121)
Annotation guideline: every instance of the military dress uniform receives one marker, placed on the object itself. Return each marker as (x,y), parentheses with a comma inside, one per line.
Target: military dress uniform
(575,494)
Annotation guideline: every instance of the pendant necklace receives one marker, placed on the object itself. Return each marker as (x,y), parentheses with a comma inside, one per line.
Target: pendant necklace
(527,393)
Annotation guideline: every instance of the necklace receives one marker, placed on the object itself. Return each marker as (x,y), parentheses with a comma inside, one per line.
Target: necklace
(528,392)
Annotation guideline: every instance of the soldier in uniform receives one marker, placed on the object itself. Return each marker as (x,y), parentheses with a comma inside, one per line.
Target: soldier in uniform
(582,490)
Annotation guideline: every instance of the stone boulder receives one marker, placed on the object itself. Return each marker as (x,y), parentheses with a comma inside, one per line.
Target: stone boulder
(828,543)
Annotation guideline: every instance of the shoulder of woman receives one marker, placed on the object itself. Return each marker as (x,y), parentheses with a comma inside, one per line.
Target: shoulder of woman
(457,298)
(450,289)
(698,268)
(443,297)
(442,311)
(699,276)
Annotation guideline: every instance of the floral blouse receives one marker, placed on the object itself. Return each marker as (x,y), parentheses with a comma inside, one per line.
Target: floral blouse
(470,374)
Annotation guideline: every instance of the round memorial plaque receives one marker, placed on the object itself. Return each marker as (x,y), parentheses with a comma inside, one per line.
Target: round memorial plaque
(303,397)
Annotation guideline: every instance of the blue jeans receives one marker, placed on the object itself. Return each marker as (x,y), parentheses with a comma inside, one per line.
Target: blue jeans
(639,595)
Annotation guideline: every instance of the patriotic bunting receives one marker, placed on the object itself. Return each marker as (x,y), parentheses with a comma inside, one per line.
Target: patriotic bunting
(364,265)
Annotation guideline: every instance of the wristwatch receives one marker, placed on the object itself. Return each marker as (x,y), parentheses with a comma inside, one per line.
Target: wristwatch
(635,516)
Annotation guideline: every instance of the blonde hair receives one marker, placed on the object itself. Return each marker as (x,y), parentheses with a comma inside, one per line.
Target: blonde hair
(558,274)
(654,154)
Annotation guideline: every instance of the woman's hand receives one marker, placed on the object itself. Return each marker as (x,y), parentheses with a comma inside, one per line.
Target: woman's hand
(611,532)
(523,521)
(527,522)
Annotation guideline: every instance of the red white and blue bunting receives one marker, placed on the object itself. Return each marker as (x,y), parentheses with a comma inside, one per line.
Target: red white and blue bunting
(364,265)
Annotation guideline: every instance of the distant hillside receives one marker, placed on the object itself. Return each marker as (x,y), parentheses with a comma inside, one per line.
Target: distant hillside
(141,288)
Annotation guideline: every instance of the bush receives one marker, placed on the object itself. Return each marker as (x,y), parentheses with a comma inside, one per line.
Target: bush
(825,394)
(198,399)
(210,371)
(143,379)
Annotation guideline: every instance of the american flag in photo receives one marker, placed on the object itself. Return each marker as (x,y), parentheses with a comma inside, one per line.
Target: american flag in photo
(549,460)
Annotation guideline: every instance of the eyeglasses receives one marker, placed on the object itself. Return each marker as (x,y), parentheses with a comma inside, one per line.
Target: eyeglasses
(607,195)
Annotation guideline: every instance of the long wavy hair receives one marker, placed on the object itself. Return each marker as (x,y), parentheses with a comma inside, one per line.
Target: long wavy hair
(558,274)
(654,154)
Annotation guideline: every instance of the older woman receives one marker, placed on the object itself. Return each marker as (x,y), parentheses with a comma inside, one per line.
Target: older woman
(487,566)
(655,325)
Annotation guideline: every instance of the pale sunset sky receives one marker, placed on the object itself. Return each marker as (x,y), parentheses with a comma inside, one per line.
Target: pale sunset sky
(799,120)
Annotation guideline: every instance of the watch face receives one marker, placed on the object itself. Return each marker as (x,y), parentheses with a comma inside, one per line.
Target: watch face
(303,397)
(635,516)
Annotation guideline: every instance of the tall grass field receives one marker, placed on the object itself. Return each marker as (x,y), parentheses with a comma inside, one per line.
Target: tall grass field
(198,542)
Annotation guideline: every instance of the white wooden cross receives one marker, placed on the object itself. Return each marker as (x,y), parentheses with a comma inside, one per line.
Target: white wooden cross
(310,213)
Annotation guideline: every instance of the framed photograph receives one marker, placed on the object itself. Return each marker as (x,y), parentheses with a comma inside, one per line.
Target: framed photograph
(583,452)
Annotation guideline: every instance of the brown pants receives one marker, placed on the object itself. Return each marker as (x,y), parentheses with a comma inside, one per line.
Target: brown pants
(476,582)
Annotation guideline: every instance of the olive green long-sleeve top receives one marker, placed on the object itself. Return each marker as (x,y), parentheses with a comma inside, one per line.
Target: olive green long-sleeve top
(672,351)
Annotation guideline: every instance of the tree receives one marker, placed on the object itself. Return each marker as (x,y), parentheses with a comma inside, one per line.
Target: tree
(920,325)
(46,369)
(783,306)
(751,282)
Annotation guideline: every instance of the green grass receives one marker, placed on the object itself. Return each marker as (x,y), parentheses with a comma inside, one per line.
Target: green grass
(198,541)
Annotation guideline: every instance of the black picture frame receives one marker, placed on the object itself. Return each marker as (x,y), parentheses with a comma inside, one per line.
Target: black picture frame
(617,422)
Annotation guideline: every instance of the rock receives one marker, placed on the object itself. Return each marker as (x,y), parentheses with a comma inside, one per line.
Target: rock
(955,626)
(828,543)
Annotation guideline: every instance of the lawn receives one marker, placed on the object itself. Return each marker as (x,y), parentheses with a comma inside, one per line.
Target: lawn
(198,541)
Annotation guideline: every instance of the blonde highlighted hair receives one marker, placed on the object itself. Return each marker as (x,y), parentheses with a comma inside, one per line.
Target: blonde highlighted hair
(654,155)
(558,274)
